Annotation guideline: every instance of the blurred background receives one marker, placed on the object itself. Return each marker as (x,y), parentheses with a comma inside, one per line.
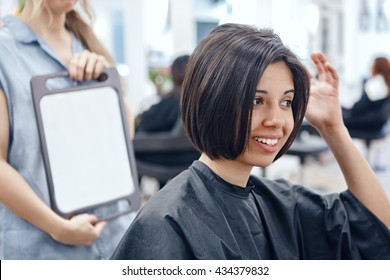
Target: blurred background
(144,37)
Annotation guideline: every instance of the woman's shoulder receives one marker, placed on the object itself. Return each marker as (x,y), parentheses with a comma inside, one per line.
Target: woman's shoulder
(284,190)
(7,24)
(11,31)
(173,197)
(5,32)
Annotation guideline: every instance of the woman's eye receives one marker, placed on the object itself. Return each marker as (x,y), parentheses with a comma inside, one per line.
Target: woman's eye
(287,103)
(257,101)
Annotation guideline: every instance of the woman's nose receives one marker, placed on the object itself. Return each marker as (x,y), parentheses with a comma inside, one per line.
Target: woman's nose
(273,117)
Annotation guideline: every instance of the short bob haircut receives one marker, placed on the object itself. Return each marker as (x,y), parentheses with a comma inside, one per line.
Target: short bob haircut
(220,84)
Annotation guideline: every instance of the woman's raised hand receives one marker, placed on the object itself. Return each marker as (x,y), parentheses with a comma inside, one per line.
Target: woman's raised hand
(324,110)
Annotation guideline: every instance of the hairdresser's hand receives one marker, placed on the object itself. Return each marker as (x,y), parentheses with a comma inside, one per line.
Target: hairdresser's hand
(81,229)
(86,65)
(324,110)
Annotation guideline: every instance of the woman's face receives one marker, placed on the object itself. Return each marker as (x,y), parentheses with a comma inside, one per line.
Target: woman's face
(60,6)
(272,116)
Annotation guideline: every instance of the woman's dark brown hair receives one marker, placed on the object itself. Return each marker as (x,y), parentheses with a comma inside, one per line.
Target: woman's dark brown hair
(220,83)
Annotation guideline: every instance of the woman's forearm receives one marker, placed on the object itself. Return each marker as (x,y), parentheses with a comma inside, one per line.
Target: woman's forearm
(17,196)
(360,178)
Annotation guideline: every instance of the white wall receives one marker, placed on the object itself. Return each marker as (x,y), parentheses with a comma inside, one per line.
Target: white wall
(361,47)
(7,6)
(182,26)
(290,23)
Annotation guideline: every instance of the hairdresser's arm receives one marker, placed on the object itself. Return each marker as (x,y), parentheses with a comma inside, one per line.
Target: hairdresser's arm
(18,196)
(324,113)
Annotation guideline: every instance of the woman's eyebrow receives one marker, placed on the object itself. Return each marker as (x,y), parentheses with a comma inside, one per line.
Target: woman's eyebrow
(266,92)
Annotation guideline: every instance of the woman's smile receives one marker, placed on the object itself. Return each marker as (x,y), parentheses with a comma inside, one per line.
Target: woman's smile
(268,144)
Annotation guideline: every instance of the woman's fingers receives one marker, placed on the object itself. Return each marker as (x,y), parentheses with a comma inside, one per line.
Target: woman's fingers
(100,64)
(77,65)
(334,77)
(86,66)
(319,62)
(326,72)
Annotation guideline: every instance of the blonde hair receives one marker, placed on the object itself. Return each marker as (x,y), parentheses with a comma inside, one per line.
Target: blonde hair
(75,23)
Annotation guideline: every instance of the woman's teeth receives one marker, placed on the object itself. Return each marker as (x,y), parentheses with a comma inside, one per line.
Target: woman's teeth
(270,142)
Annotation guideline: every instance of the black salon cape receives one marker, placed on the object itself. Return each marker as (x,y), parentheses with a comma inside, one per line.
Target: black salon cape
(199,216)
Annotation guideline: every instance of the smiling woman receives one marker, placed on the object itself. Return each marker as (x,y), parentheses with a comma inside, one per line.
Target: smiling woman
(243,100)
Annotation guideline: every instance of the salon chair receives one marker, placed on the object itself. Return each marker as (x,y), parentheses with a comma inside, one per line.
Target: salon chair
(371,127)
(163,155)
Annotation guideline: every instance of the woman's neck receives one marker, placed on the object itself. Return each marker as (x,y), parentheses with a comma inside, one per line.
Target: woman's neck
(43,24)
(230,170)
(50,28)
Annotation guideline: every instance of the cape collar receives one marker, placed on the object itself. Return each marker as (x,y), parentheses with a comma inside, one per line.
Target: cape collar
(212,179)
